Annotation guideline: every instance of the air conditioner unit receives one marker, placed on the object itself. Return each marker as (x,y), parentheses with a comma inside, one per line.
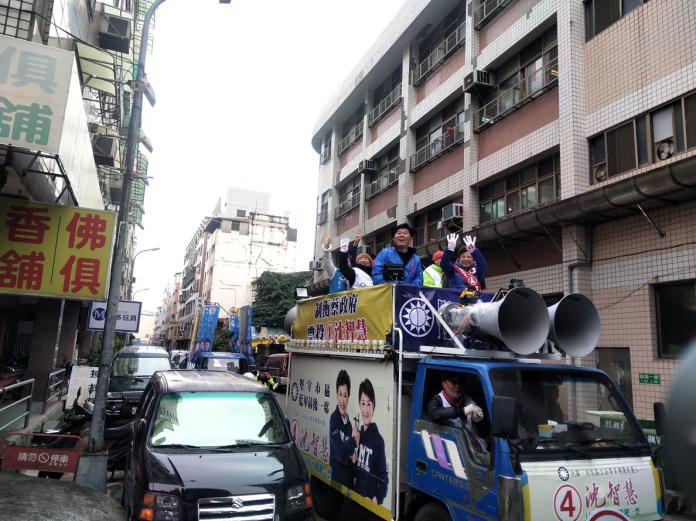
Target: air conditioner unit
(665,149)
(115,33)
(599,172)
(452,211)
(367,166)
(315,265)
(478,80)
(105,148)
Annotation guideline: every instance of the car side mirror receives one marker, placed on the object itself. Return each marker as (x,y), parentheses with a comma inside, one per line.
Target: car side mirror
(504,417)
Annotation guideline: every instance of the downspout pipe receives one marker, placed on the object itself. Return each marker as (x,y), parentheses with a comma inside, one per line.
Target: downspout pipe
(585,263)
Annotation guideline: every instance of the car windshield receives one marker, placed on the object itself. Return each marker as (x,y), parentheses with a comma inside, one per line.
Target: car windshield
(568,411)
(138,365)
(223,364)
(217,420)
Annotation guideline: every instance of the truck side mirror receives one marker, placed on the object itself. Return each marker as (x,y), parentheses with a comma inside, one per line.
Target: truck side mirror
(660,413)
(504,417)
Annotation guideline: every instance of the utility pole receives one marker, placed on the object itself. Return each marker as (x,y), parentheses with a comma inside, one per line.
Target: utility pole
(96,431)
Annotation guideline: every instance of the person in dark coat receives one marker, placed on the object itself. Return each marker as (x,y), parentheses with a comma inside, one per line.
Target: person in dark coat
(343,438)
(371,477)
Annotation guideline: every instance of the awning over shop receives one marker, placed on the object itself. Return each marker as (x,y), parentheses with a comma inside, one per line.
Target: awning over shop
(670,185)
(97,68)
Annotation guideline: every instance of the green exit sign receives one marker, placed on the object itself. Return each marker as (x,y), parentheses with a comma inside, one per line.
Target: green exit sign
(649,378)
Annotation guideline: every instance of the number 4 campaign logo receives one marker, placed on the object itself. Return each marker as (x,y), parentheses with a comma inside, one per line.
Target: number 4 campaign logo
(567,503)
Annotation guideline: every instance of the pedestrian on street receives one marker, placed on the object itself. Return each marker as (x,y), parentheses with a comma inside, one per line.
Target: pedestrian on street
(265,379)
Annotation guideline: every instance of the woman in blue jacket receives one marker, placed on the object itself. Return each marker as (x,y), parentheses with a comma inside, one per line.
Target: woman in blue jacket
(469,270)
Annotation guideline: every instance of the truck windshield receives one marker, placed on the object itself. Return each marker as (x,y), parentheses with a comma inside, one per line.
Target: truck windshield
(568,411)
(132,372)
(223,364)
(217,420)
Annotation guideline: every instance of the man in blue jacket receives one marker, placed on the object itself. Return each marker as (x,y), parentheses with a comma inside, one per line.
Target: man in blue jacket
(401,254)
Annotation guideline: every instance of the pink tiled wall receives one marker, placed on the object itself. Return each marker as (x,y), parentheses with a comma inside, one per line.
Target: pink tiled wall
(437,78)
(382,202)
(517,125)
(441,168)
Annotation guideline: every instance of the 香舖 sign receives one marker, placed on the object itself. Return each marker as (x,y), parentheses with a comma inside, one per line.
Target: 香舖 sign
(49,250)
(34,82)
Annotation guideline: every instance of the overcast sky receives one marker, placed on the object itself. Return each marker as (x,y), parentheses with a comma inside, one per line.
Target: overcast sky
(239,88)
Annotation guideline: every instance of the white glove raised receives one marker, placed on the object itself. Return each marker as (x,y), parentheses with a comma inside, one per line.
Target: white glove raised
(475,411)
(470,243)
(345,242)
(452,241)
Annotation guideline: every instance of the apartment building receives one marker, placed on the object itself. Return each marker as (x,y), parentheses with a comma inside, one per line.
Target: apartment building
(562,133)
(229,252)
(65,98)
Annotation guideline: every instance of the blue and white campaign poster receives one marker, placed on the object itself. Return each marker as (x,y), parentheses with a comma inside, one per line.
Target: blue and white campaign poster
(206,327)
(127,317)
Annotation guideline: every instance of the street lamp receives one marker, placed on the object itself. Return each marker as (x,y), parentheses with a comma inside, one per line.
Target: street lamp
(138,291)
(132,269)
(96,431)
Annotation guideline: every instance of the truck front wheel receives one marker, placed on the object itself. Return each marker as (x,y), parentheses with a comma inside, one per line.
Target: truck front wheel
(328,502)
(432,512)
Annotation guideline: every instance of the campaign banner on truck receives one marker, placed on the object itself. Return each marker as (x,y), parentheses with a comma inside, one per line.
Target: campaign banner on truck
(415,318)
(57,251)
(206,327)
(341,417)
(361,314)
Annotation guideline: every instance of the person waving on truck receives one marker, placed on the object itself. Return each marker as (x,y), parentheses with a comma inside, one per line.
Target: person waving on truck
(466,271)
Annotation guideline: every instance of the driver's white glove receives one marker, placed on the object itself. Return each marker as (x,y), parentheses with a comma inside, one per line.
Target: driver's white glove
(275,386)
(452,241)
(345,242)
(475,411)
(470,243)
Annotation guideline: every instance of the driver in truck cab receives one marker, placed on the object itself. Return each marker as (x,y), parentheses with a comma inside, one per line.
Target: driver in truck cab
(454,408)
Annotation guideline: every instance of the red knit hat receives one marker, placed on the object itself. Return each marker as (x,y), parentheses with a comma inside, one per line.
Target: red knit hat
(438,255)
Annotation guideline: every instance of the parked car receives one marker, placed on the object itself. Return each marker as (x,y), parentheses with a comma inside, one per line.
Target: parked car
(131,370)
(213,445)
(222,361)
(278,366)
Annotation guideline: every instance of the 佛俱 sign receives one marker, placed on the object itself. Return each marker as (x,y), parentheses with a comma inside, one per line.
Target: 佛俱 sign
(50,250)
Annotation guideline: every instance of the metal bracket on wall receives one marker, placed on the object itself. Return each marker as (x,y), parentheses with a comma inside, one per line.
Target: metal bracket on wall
(650,221)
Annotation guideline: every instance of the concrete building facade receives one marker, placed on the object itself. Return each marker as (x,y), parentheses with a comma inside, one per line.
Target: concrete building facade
(101,41)
(228,252)
(561,133)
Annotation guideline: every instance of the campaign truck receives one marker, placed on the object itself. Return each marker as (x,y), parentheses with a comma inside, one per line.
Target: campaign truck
(539,436)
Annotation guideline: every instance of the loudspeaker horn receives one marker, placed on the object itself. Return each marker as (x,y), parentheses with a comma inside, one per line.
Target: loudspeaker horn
(520,320)
(289,320)
(574,325)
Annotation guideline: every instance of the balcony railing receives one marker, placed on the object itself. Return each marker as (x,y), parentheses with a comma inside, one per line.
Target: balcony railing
(323,216)
(382,183)
(353,135)
(384,105)
(450,44)
(325,155)
(452,135)
(347,205)
(486,10)
(511,99)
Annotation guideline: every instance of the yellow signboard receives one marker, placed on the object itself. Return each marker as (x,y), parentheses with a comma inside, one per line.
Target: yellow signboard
(358,314)
(50,250)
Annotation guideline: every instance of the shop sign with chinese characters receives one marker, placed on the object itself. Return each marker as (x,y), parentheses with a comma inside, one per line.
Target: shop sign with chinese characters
(127,316)
(50,250)
(34,82)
